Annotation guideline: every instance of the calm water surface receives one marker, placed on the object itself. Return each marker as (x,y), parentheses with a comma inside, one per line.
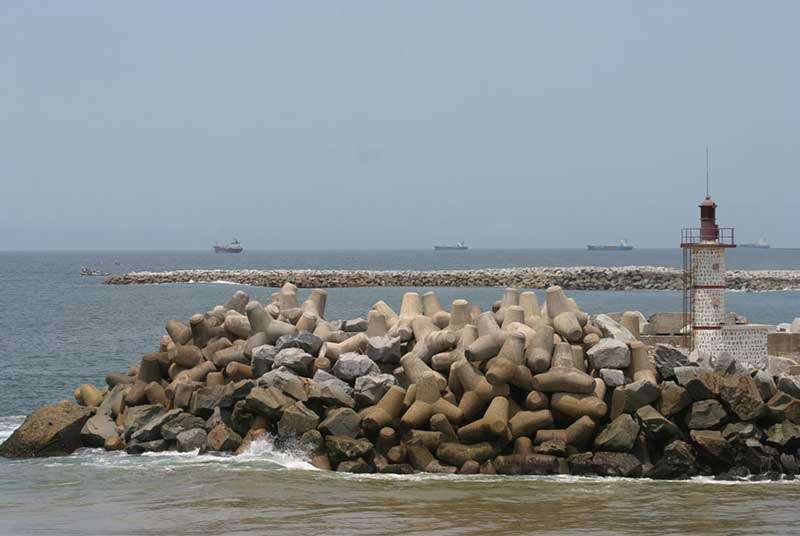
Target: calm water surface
(58,330)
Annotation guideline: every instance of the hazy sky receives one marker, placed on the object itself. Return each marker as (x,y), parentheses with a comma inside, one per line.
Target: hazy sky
(394,124)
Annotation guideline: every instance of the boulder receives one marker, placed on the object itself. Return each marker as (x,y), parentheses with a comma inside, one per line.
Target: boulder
(262,358)
(655,426)
(609,353)
(612,377)
(51,430)
(322,377)
(340,448)
(151,430)
(205,399)
(677,462)
(739,431)
(765,383)
(527,464)
(620,464)
(359,465)
(674,399)
(705,414)
(713,449)
(633,396)
(668,358)
(341,422)
(294,359)
(268,402)
(351,365)
(192,439)
(97,430)
(782,406)
(619,436)
(181,423)
(699,382)
(726,365)
(137,416)
(784,435)
(741,396)
(384,349)
(777,365)
(370,388)
(286,381)
(222,438)
(296,420)
(789,385)
(140,447)
(305,341)
(457,454)
(355,325)
(612,329)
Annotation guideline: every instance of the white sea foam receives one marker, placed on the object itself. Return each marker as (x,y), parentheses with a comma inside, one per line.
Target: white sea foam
(8,424)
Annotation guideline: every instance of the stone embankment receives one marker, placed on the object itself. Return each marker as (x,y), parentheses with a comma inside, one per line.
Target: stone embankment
(570,278)
(518,389)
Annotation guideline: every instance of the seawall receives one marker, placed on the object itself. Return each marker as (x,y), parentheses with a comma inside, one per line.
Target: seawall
(573,278)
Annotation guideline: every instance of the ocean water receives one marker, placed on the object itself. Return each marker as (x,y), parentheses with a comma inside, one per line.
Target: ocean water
(58,330)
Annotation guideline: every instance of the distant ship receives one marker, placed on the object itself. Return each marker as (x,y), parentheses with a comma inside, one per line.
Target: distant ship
(622,246)
(458,246)
(761,244)
(233,247)
(91,271)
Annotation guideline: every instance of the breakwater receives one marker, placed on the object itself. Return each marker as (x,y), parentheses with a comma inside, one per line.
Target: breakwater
(570,278)
(516,389)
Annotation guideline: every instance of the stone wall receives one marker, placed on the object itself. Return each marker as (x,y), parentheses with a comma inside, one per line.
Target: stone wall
(746,343)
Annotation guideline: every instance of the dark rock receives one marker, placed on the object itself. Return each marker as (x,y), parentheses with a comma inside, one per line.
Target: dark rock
(612,377)
(137,416)
(669,357)
(268,402)
(295,359)
(619,436)
(726,365)
(789,385)
(341,422)
(396,469)
(784,435)
(735,473)
(526,464)
(370,388)
(241,418)
(330,394)
(235,392)
(52,430)
(674,399)
(355,466)
(765,383)
(308,342)
(181,423)
(192,439)
(136,447)
(323,377)
(219,416)
(97,430)
(754,455)
(552,447)
(677,462)
(581,464)
(713,449)
(205,399)
(262,359)
(789,464)
(287,381)
(355,325)
(655,426)
(351,365)
(384,349)
(633,396)
(781,407)
(741,431)
(699,382)
(296,420)
(151,430)
(741,396)
(705,414)
(341,448)
(222,438)
(619,464)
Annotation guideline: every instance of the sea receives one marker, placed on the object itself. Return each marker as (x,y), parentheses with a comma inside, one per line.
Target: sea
(59,329)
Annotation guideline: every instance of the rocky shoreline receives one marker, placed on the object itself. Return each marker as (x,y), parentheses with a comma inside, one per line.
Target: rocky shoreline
(518,389)
(570,278)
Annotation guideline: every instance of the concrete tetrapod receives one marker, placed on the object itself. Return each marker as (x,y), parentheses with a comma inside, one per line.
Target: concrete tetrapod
(432,308)
(357,343)
(510,297)
(385,412)
(490,339)
(430,340)
(428,401)
(459,315)
(576,434)
(577,405)
(540,351)
(508,366)
(474,390)
(414,369)
(563,376)
(493,426)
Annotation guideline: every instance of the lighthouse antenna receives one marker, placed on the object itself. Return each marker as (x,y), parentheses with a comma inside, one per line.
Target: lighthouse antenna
(707,193)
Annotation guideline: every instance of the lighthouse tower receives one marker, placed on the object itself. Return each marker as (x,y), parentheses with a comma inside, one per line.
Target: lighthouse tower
(704,279)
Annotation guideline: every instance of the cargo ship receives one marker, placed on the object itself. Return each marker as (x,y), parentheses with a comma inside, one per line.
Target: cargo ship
(233,247)
(458,246)
(622,246)
(761,244)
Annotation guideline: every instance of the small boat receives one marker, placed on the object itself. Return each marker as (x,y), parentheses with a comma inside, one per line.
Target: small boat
(761,244)
(89,271)
(622,246)
(233,247)
(458,246)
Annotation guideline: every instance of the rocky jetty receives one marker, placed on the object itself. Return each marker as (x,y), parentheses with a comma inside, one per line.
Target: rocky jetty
(570,278)
(523,388)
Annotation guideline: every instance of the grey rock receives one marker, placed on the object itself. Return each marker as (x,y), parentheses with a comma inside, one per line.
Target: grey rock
(741,397)
(612,329)
(384,349)
(296,420)
(741,431)
(295,359)
(704,360)
(669,357)
(269,402)
(184,421)
(699,382)
(789,385)
(341,422)
(262,359)
(620,464)
(139,447)
(619,436)
(192,439)
(322,377)
(674,399)
(777,365)
(330,394)
(355,325)
(97,429)
(713,448)
(219,416)
(640,393)
(677,462)
(223,438)
(235,392)
(359,465)
(612,377)
(785,435)
(655,426)
(241,418)
(285,380)
(312,441)
(609,353)
(137,416)
(308,342)
(726,365)
(205,399)
(705,414)
(151,430)
(341,448)
(351,365)
(370,388)
(765,383)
